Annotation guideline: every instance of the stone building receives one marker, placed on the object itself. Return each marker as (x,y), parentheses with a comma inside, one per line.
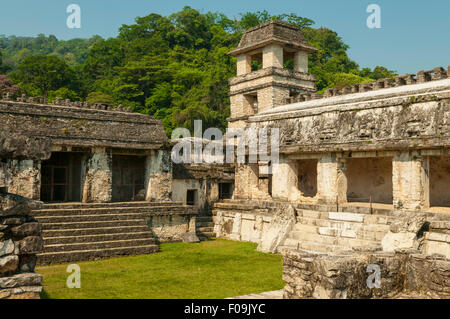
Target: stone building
(107,185)
(366,166)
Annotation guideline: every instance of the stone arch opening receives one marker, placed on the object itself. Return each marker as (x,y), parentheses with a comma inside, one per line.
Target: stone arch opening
(369,179)
(439,181)
(307,177)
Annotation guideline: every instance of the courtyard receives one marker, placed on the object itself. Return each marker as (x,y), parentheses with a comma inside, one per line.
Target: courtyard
(211,269)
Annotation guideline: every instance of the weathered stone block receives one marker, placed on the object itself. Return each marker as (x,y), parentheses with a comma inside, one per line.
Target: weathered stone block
(9,264)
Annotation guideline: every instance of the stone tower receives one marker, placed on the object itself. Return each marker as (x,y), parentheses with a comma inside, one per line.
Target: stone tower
(272,44)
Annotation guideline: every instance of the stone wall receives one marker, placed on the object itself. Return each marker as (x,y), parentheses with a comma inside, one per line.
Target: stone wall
(345,275)
(80,126)
(20,233)
(408,117)
(170,226)
(20,241)
(25,178)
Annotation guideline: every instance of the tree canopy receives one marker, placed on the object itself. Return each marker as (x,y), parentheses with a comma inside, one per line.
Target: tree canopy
(174,67)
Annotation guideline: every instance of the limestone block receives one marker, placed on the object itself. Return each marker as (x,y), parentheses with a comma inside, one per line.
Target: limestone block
(257,229)
(283,221)
(237,224)
(189,237)
(218,224)
(401,240)
(19,280)
(9,264)
(6,247)
(350,217)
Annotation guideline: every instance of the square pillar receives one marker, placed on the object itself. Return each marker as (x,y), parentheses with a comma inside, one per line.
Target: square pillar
(97,179)
(244,64)
(331,180)
(25,178)
(273,56)
(248,185)
(271,97)
(301,61)
(285,180)
(240,105)
(410,181)
(158,176)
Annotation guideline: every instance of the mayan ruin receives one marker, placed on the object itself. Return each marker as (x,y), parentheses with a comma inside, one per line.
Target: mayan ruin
(361,178)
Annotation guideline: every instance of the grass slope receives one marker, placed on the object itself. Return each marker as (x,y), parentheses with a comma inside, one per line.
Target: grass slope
(210,269)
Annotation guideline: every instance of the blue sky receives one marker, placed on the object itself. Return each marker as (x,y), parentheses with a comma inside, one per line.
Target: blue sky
(414,33)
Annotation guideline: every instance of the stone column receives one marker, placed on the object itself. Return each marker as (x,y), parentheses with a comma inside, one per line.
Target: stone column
(25,178)
(244,64)
(271,97)
(246,180)
(331,180)
(158,176)
(273,56)
(410,181)
(97,180)
(301,61)
(285,180)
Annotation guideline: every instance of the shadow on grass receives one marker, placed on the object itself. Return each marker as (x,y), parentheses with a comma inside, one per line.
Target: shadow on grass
(44,294)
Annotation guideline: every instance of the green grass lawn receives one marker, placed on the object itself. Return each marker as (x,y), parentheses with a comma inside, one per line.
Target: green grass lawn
(210,269)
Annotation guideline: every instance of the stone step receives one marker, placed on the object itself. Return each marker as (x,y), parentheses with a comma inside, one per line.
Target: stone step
(301,236)
(313,214)
(84,255)
(342,224)
(205,224)
(107,211)
(50,233)
(332,240)
(205,229)
(96,238)
(434,236)
(206,234)
(98,245)
(108,205)
(441,226)
(311,246)
(88,218)
(94,224)
(306,228)
(347,217)
(234,206)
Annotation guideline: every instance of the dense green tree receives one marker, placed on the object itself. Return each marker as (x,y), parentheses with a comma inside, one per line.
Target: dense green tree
(174,67)
(42,74)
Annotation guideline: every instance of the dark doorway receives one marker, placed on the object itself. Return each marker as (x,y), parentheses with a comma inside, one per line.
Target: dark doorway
(61,178)
(128,177)
(191,197)
(225,190)
(307,177)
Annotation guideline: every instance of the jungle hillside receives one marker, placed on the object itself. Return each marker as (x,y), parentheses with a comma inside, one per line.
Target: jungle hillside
(175,68)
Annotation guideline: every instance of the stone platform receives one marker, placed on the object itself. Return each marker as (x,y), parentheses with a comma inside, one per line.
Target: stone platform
(76,232)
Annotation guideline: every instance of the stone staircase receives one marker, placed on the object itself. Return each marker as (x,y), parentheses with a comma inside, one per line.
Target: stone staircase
(77,232)
(437,238)
(336,231)
(205,227)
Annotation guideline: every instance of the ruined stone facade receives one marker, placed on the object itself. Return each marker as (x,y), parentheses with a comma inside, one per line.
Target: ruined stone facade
(20,232)
(363,167)
(106,182)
